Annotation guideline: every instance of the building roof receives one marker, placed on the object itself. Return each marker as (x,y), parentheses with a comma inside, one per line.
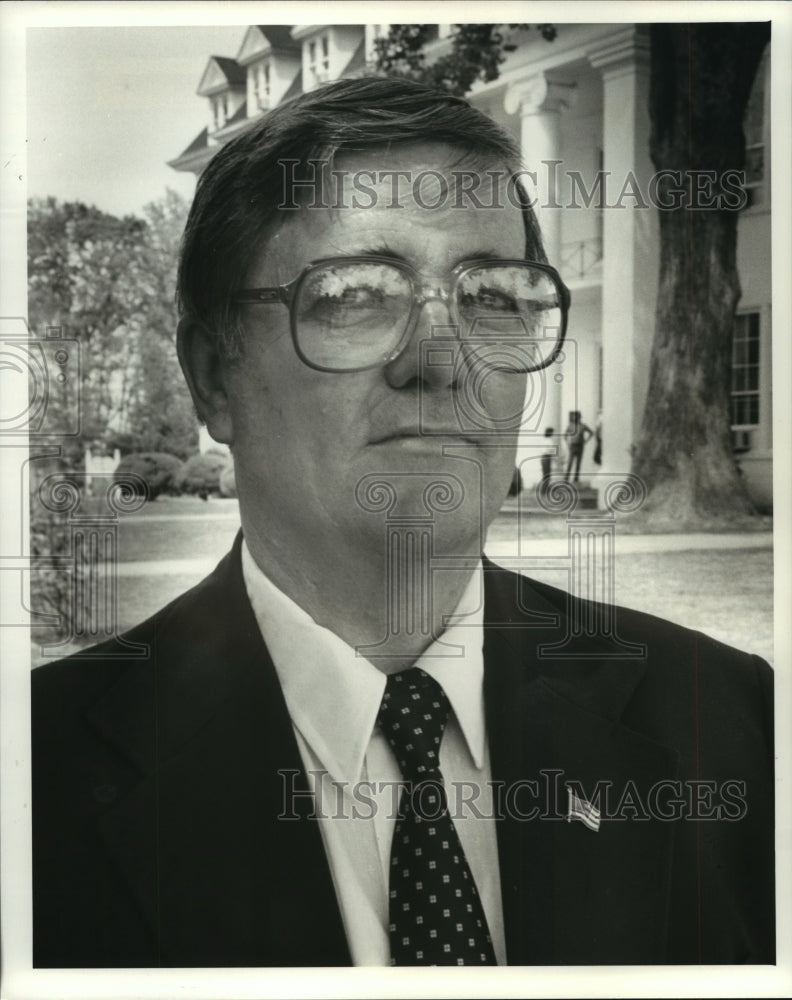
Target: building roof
(238,115)
(234,73)
(279,35)
(300,31)
(295,89)
(220,75)
(196,155)
(358,60)
(201,140)
(266,39)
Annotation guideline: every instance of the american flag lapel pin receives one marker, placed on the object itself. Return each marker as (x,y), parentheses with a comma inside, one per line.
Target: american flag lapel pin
(580,808)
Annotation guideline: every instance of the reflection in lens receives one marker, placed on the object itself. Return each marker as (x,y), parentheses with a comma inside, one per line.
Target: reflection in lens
(511,304)
(352,315)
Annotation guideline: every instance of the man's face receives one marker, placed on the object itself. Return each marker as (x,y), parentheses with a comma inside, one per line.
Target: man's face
(304,440)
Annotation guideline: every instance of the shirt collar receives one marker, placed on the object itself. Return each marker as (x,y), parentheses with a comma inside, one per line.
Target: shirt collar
(333,695)
(456,661)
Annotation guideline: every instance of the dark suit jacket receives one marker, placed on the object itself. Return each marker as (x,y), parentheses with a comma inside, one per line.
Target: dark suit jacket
(156,793)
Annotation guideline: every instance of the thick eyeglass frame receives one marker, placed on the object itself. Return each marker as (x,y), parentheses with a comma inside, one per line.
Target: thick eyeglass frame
(422,292)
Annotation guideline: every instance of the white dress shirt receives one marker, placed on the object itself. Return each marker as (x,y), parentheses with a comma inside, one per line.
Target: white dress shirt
(333,696)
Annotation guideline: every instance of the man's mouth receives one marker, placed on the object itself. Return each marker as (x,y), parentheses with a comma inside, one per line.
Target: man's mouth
(429,433)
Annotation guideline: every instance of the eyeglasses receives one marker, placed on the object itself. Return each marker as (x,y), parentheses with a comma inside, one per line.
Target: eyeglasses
(354,313)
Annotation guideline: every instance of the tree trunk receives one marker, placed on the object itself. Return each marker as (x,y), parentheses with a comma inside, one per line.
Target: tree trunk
(701,77)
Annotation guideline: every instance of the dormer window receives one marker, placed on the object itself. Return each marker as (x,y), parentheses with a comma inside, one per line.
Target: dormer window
(261,86)
(220,110)
(319,58)
(265,83)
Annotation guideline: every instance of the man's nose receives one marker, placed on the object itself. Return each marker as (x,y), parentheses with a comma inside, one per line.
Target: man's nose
(432,338)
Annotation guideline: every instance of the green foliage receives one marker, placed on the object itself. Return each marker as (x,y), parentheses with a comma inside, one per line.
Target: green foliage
(477,50)
(160,411)
(160,414)
(50,587)
(86,275)
(109,282)
(159,471)
(400,52)
(52,581)
(200,475)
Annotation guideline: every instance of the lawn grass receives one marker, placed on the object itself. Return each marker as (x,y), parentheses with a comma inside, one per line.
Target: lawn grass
(725,593)
(144,538)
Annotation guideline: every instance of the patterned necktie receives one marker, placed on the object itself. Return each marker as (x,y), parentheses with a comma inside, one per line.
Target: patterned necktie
(436,916)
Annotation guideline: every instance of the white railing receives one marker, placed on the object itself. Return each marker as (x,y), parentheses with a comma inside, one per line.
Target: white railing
(580,257)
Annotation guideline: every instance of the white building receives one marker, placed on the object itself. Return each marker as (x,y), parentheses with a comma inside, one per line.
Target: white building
(579,107)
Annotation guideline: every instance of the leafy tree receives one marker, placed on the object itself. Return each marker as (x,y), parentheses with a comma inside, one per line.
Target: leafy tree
(109,283)
(158,470)
(50,588)
(701,78)
(85,274)
(83,266)
(477,50)
(160,411)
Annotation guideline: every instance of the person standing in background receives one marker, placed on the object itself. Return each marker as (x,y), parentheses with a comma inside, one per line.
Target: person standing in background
(576,434)
(548,454)
(598,440)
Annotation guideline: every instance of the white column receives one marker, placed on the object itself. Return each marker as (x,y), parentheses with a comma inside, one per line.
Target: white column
(540,103)
(630,242)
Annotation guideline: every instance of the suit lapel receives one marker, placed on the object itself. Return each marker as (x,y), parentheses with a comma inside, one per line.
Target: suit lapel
(223,881)
(220,877)
(570,895)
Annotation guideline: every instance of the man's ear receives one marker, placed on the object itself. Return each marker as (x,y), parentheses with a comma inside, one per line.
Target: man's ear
(205,369)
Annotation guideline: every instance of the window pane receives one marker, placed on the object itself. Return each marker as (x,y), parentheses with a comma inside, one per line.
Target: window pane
(745,370)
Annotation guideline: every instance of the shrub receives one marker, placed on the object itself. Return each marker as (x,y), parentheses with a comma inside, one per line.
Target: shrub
(228,482)
(200,474)
(51,590)
(122,440)
(158,469)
